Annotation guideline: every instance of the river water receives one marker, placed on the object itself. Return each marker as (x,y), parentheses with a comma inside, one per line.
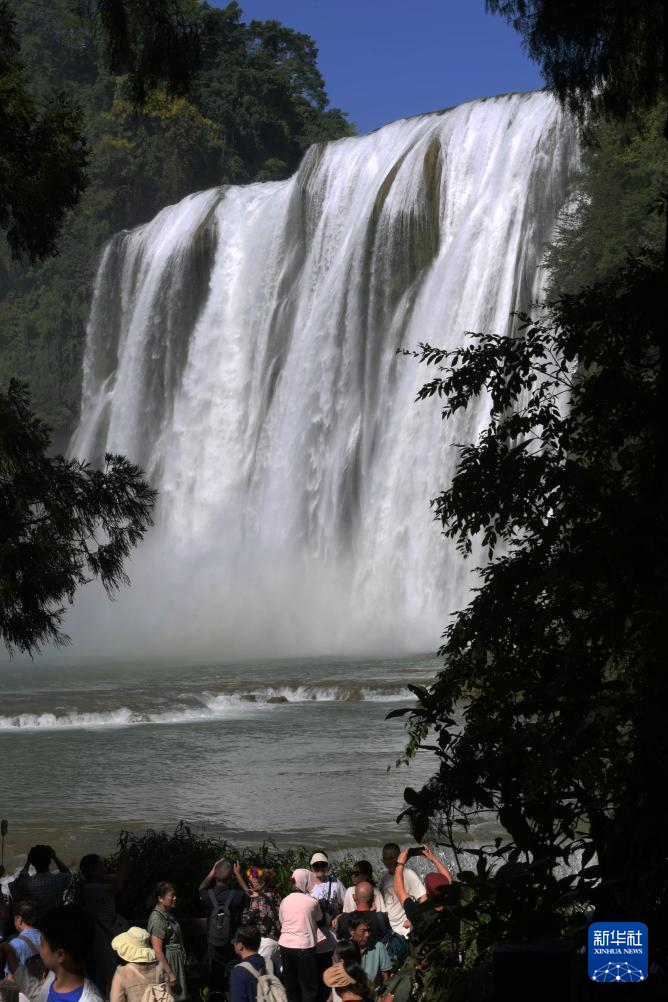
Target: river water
(242,347)
(295,750)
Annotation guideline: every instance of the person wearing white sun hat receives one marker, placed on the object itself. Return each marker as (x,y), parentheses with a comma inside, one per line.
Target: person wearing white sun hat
(327,889)
(329,892)
(140,970)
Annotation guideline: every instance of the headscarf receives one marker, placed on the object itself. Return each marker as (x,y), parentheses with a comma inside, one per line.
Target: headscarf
(304,880)
(435,882)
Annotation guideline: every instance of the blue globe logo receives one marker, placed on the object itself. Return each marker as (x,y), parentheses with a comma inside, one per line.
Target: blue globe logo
(618,972)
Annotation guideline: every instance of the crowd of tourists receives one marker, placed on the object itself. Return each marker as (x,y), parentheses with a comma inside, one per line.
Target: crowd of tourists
(322,942)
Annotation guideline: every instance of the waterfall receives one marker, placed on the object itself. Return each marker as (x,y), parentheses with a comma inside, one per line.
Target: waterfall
(242,347)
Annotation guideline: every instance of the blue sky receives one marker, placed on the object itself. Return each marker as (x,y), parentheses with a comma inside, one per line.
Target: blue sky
(386,59)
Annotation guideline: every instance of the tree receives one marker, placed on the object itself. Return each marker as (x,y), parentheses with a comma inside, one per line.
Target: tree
(155,156)
(267,95)
(256,101)
(152,42)
(600,52)
(549,713)
(172,96)
(43,158)
(61,524)
(624,173)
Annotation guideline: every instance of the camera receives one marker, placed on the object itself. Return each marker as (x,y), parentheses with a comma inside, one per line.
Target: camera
(415,850)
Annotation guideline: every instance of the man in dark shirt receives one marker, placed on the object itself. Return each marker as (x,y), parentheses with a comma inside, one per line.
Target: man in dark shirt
(218,897)
(243,984)
(44,890)
(379,924)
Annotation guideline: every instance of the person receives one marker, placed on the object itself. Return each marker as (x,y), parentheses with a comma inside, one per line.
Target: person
(67,933)
(167,938)
(224,906)
(345,951)
(413,886)
(300,917)
(262,908)
(100,889)
(434,883)
(140,968)
(349,981)
(379,924)
(26,943)
(330,892)
(375,960)
(45,890)
(243,983)
(362,872)
(327,888)
(5,917)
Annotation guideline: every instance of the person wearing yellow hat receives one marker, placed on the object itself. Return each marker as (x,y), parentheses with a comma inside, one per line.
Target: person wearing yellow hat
(139,970)
(348,981)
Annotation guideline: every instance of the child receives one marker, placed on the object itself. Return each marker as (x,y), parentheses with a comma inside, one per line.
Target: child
(67,940)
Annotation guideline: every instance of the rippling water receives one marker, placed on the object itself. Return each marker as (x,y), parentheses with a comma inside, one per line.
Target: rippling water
(296,750)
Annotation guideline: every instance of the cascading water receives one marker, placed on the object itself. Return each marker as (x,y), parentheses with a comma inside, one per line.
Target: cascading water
(242,348)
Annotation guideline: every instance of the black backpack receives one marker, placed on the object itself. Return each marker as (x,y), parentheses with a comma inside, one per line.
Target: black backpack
(220,921)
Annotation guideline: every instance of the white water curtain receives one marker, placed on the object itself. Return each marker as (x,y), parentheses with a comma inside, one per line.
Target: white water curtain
(242,348)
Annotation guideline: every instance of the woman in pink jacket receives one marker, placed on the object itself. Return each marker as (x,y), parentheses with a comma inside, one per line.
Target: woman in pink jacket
(299,917)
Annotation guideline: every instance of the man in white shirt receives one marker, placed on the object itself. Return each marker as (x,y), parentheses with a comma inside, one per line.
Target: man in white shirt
(414,887)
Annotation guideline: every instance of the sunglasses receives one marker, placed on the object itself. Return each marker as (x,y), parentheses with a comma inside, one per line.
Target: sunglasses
(357,873)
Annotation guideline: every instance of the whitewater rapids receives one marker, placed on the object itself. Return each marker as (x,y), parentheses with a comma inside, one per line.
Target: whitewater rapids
(242,347)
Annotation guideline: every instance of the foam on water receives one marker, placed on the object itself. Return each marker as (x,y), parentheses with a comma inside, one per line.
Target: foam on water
(205,708)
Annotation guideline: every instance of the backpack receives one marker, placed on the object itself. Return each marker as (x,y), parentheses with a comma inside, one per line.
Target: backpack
(158,993)
(331,904)
(219,929)
(269,988)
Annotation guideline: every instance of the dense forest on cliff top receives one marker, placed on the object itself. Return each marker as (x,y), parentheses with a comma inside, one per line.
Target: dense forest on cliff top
(255,104)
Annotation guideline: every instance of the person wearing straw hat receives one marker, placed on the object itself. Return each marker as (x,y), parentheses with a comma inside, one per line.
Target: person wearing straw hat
(348,982)
(140,969)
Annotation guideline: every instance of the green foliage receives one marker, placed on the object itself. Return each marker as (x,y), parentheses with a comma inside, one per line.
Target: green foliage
(154,157)
(602,52)
(549,715)
(268,97)
(185,858)
(42,154)
(624,173)
(558,661)
(151,41)
(255,101)
(62,524)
